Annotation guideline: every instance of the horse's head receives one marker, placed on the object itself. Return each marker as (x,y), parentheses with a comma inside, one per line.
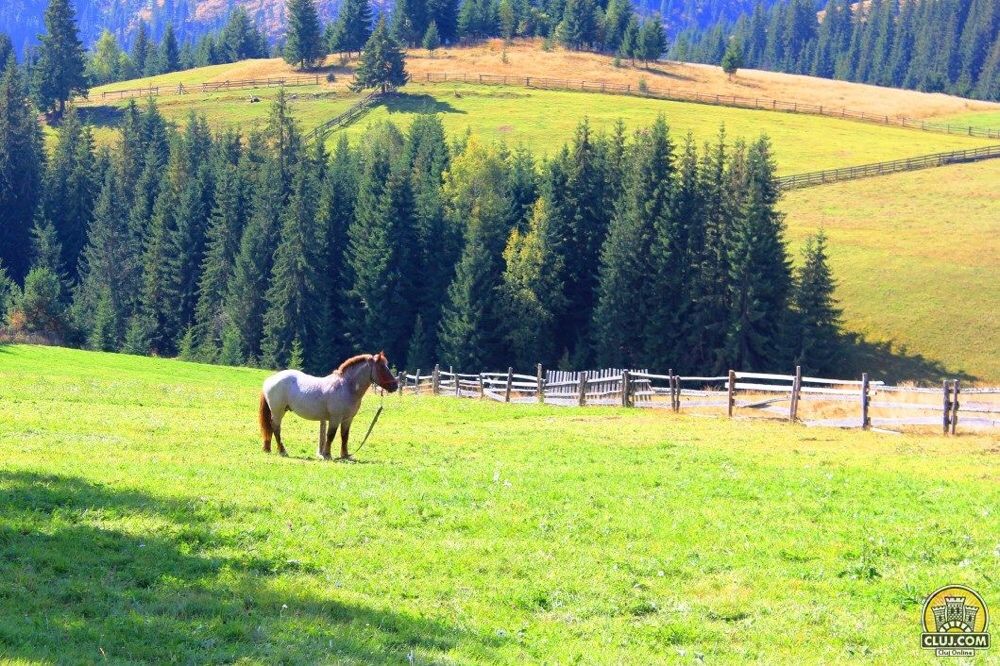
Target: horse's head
(381,374)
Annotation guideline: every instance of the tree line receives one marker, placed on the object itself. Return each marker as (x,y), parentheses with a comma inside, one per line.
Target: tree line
(950,46)
(261,249)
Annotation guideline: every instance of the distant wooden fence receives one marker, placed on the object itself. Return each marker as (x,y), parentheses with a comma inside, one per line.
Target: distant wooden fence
(760,103)
(813,178)
(814,401)
(345,118)
(211,86)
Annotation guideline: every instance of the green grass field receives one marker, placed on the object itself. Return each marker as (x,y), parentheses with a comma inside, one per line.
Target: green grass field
(916,255)
(981,119)
(139,522)
(545,120)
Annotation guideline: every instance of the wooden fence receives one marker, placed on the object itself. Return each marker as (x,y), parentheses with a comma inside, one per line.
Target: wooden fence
(814,401)
(211,86)
(814,178)
(345,118)
(673,94)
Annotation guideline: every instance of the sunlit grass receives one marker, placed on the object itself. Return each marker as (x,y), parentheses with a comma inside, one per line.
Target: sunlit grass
(141,522)
(916,256)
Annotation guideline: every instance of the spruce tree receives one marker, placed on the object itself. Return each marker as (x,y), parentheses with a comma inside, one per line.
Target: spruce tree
(380,251)
(759,269)
(382,63)
(70,189)
(652,40)
(431,40)
(625,298)
(60,67)
(532,290)
(353,27)
(109,271)
(578,28)
(629,47)
(818,345)
(296,297)
(304,43)
(21,170)
(169,58)
(732,60)
(409,21)
(6,52)
(141,49)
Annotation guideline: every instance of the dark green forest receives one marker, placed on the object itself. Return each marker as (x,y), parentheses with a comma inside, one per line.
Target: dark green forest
(950,46)
(265,250)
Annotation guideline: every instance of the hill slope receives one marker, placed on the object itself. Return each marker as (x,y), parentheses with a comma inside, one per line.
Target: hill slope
(140,522)
(916,256)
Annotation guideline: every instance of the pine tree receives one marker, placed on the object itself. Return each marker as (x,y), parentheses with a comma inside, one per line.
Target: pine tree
(625,299)
(40,308)
(46,250)
(141,49)
(6,53)
(304,43)
(382,63)
(420,351)
(819,348)
(409,21)
(532,290)
(445,14)
(109,271)
(222,243)
(431,40)
(60,66)
(21,170)
(70,189)
(353,26)
(652,40)
(380,250)
(296,298)
(169,59)
(759,270)
(629,47)
(578,28)
(107,63)
(732,60)
(245,303)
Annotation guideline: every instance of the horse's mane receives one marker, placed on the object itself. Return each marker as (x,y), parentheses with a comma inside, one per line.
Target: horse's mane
(351,362)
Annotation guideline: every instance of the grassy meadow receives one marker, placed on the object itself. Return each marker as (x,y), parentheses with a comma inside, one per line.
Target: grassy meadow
(916,256)
(139,521)
(546,119)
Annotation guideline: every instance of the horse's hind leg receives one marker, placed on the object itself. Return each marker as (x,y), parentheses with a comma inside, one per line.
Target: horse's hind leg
(345,432)
(328,442)
(276,427)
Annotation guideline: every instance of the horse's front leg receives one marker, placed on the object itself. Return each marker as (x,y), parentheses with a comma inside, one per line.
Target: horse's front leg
(345,432)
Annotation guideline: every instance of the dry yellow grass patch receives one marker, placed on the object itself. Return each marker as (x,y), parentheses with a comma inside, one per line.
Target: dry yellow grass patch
(526,58)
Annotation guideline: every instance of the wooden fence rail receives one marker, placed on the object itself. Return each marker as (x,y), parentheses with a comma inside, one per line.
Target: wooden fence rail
(738,393)
(674,94)
(814,178)
(182,88)
(345,118)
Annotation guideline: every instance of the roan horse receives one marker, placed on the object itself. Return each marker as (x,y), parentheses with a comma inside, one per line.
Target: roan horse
(335,398)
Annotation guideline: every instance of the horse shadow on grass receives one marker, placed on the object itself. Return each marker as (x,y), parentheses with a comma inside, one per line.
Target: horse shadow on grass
(78,584)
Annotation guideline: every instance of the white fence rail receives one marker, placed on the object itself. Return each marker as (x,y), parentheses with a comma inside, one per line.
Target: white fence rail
(814,401)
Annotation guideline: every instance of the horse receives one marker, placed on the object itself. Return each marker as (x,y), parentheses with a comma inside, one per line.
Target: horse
(335,398)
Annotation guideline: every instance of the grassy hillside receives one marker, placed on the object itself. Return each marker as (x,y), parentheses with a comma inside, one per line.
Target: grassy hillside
(545,119)
(917,257)
(140,522)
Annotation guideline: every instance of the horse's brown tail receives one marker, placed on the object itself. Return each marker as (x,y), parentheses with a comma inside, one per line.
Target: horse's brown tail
(264,417)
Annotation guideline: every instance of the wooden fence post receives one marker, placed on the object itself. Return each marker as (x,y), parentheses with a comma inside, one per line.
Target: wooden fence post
(416,383)
(865,420)
(401,381)
(946,416)
(539,386)
(796,388)
(510,379)
(482,389)
(732,390)
(954,407)
(458,391)
(583,389)
(626,389)
(670,385)
(436,379)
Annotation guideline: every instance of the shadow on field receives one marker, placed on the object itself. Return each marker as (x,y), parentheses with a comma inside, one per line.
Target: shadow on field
(101,116)
(406,103)
(893,363)
(75,586)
